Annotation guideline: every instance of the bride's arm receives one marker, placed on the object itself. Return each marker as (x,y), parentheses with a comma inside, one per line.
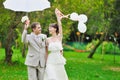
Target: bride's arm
(59,16)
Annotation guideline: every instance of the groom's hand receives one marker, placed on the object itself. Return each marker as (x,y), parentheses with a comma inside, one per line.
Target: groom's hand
(26,24)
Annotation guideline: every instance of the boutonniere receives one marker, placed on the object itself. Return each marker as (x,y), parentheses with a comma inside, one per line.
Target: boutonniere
(43,38)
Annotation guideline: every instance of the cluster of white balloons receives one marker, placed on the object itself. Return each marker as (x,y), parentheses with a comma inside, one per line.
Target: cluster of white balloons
(82,19)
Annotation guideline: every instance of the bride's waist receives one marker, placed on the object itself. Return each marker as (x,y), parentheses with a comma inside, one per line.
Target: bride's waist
(55,58)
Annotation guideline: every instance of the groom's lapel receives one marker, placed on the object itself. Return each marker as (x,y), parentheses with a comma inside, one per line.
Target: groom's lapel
(36,41)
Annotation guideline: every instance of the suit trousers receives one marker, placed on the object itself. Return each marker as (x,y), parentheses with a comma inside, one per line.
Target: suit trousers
(35,73)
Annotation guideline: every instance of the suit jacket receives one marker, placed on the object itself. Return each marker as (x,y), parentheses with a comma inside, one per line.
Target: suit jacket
(36,49)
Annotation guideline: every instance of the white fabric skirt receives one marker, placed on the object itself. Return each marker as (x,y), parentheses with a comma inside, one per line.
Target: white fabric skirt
(55,72)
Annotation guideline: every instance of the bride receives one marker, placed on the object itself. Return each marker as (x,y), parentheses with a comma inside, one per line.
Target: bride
(55,69)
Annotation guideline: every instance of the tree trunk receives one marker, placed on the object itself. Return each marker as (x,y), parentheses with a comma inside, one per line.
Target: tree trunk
(94,49)
(96,46)
(8,45)
(106,18)
(9,38)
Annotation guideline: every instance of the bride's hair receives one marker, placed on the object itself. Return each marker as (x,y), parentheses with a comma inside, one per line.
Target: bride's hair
(55,25)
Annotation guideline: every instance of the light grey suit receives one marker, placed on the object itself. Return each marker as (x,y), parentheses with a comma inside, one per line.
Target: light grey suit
(35,59)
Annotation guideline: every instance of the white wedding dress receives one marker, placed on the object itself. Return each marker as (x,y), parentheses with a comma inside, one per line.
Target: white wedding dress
(55,69)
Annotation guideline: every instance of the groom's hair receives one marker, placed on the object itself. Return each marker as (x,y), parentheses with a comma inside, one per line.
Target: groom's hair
(34,24)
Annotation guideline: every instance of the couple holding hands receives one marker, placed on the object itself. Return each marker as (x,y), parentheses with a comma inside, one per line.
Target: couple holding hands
(40,64)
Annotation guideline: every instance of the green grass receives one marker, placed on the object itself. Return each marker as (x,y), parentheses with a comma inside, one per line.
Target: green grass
(78,67)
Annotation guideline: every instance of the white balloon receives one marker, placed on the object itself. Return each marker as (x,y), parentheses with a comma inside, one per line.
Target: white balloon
(82,27)
(82,18)
(74,16)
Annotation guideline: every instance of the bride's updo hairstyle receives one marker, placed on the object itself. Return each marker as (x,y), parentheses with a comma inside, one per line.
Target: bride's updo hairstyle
(54,25)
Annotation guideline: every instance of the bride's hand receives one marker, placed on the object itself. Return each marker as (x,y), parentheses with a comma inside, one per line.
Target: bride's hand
(59,14)
(66,16)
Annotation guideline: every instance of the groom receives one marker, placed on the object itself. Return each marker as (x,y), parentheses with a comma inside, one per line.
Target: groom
(37,50)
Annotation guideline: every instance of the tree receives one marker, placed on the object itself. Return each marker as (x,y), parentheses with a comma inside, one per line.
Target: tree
(107,10)
(115,23)
(10,36)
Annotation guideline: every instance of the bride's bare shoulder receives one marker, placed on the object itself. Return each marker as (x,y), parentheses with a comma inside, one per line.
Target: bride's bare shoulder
(48,39)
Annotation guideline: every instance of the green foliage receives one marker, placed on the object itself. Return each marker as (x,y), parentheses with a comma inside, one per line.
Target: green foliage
(78,45)
(75,45)
(105,48)
(93,9)
(108,48)
(115,23)
(91,45)
(18,41)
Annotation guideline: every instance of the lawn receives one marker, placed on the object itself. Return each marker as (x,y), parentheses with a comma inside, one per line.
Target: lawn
(78,67)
